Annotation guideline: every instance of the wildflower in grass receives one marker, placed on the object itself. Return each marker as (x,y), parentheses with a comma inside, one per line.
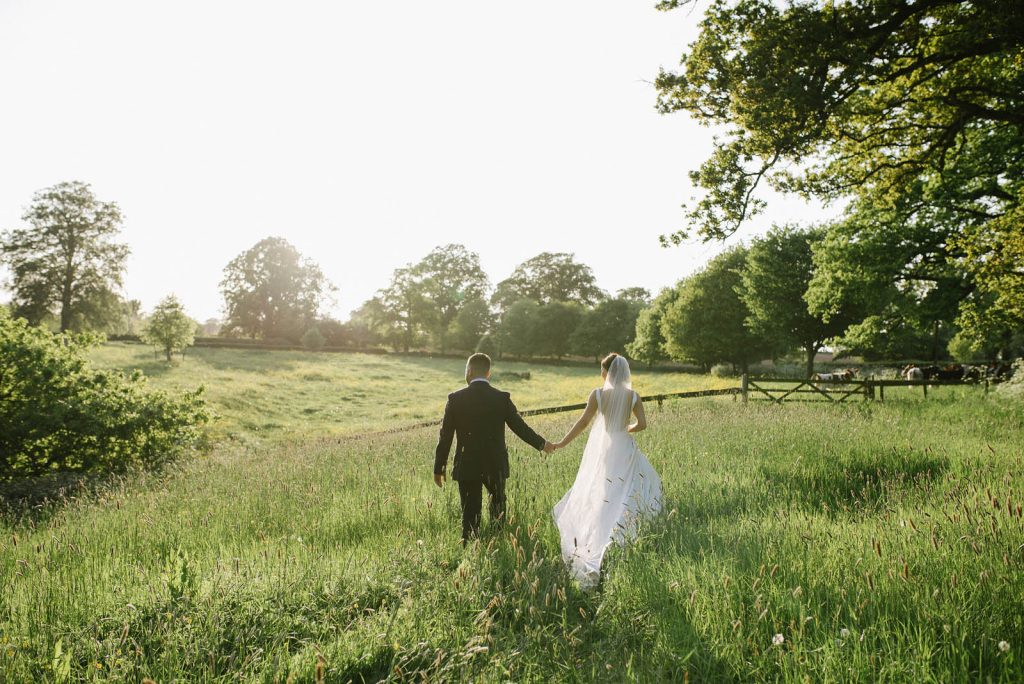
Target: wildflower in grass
(844,633)
(1004,646)
(778,640)
(419,542)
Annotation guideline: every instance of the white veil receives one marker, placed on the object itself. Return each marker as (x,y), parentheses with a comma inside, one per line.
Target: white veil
(617,395)
(614,487)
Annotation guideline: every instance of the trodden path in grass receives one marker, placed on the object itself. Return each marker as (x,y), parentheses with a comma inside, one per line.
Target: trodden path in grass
(859,542)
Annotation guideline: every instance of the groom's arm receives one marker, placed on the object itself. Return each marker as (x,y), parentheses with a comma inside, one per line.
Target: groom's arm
(523,431)
(444,440)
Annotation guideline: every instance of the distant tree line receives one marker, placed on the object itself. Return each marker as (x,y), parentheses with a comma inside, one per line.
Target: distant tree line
(551,306)
(790,291)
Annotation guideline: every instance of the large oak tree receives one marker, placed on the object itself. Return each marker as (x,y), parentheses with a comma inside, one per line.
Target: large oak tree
(549,277)
(272,291)
(911,110)
(66,262)
(449,278)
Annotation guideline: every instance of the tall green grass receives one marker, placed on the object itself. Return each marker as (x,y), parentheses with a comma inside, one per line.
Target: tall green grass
(882,542)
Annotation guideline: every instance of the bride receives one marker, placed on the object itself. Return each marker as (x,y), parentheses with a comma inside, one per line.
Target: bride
(615,486)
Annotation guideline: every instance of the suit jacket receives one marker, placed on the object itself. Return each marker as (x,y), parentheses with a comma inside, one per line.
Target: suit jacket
(477,415)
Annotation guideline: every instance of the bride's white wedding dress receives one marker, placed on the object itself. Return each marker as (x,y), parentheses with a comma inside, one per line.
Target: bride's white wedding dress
(615,487)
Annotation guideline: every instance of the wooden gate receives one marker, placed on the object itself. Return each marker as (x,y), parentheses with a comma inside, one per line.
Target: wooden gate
(833,390)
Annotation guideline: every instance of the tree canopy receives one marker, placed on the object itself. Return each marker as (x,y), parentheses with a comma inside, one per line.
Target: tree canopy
(608,327)
(707,322)
(272,291)
(449,278)
(66,261)
(909,109)
(549,277)
(648,344)
(775,278)
(169,328)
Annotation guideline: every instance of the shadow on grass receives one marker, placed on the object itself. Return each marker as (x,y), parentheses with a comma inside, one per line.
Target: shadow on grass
(249,360)
(37,499)
(862,483)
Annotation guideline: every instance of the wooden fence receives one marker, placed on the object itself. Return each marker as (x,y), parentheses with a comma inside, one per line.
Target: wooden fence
(765,388)
(836,391)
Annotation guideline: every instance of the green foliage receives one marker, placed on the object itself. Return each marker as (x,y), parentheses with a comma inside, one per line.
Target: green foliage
(59,414)
(827,524)
(549,277)
(635,295)
(908,111)
(707,322)
(895,336)
(473,322)
(649,342)
(448,279)
(313,339)
(900,281)
(169,327)
(400,311)
(608,327)
(993,255)
(130,320)
(487,345)
(554,326)
(518,328)
(775,279)
(271,291)
(66,262)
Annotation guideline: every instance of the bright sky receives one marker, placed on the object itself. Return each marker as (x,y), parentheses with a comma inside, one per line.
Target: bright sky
(366,133)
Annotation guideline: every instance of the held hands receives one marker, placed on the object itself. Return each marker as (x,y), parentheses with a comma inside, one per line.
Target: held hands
(549,448)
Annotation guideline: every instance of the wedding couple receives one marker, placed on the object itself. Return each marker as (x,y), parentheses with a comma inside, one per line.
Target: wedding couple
(615,486)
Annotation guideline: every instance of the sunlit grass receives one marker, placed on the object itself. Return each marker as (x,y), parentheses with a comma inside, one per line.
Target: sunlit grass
(278,394)
(883,542)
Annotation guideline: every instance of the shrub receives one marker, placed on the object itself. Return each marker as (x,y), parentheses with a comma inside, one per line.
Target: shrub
(313,339)
(59,414)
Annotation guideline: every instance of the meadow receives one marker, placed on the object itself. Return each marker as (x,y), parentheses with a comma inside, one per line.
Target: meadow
(270,395)
(805,542)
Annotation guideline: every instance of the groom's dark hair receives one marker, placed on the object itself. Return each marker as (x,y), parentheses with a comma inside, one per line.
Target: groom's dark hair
(478,365)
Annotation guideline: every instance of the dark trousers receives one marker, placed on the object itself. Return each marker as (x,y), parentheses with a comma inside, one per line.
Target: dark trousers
(471,495)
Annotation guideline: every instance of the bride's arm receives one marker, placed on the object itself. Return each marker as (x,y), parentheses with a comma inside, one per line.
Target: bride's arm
(582,423)
(641,418)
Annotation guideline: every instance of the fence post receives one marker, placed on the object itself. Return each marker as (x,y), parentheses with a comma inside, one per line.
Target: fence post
(986,387)
(925,386)
(743,387)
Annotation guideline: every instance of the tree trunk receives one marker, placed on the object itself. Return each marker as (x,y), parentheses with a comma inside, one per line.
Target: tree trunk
(812,350)
(169,353)
(935,341)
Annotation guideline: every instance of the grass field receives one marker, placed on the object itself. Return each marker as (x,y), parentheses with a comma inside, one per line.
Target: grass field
(260,395)
(882,542)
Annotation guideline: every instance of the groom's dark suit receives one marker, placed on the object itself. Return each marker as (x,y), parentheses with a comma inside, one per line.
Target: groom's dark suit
(477,415)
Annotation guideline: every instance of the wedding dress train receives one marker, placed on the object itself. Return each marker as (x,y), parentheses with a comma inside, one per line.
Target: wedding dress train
(615,488)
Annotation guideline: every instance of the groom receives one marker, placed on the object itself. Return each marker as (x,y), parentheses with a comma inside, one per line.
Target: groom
(478,414)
